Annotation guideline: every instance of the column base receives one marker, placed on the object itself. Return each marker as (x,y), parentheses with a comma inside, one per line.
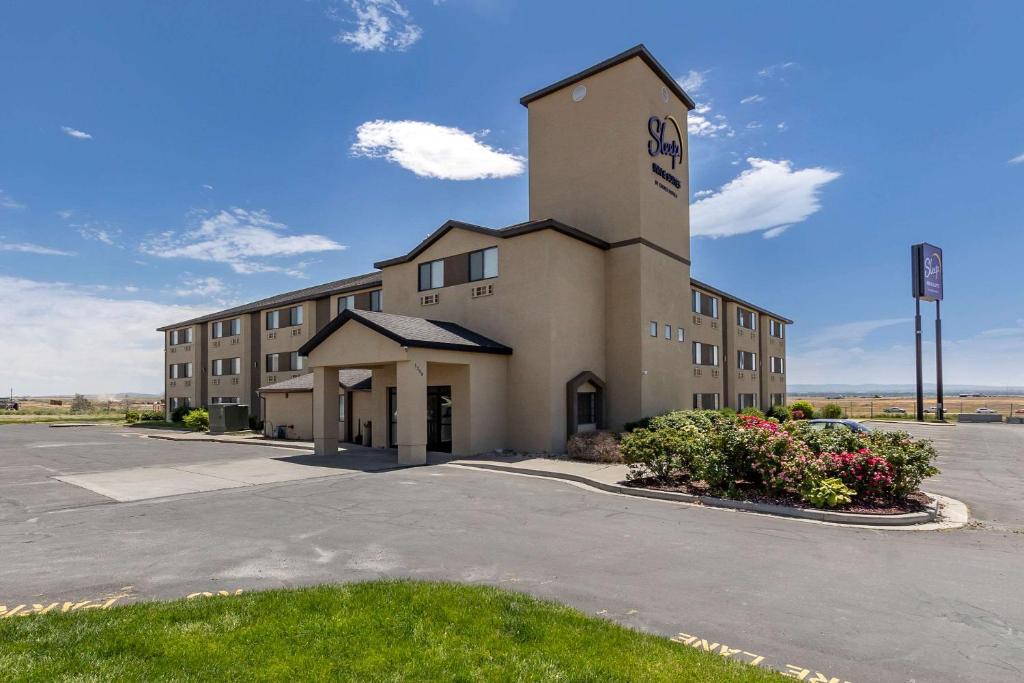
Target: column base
(412,455)
(325,446)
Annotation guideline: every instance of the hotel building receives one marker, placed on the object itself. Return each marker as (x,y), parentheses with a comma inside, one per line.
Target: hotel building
(582,317)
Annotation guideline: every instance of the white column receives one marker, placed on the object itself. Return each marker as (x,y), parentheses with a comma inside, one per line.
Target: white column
(325,411)
(412,412)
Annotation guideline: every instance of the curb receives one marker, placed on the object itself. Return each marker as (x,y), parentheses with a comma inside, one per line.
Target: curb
(909,519)
(908,422)
(249,442)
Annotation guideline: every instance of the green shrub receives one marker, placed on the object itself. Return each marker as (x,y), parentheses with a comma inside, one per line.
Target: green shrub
(780,412)
(911,459)
(839,440)
(663,452)
(131,417)
(753,411)
(598,446)
(179,413)
(826,493)
(728,412)
(197,419)
(642,423)
(151,416)
(832,411)
(806,410)
(255,424)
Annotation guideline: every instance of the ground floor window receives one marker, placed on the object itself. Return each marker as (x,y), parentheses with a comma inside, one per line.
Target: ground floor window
(586,408)
(176,402)
(746,401)
(778,399)
(706,402)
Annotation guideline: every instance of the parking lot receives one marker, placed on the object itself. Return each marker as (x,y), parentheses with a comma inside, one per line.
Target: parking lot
(854,604)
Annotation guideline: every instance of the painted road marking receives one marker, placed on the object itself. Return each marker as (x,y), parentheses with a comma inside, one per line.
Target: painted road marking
(799,673)
(25,609)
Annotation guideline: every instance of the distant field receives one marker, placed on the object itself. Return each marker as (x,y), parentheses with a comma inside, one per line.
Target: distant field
(866,406)
(41,410)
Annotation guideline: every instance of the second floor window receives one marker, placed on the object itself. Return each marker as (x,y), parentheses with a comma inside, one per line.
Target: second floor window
(776,329)
(182,336)
(180,371)
(273,320)
(295,361)
(273,362)
(745,318)
(705,304)
(778,364)
(346,303)
(295,315)
(286,317)
(705,354)
(226,366)
(431,275)
(483,264)
(746,360)
(226,328)
(376,300)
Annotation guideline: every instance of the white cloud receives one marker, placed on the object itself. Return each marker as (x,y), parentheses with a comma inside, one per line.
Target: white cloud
(754,125)
(768,196)
(752,99)
(989,357)
(8,202)
(241,239)
(851,332)
(434,151)
(26,248)
(36,361)
(701,123)
(776,70)
(702,193)
(1019,159)
(92,231)
(692,81)
(78,134)
(66,213)
(201,286)
(780,126)
(206,186)
(377,26)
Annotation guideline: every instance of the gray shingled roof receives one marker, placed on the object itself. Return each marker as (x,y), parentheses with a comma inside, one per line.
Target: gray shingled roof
(353,380)
(314,292)
(409,331)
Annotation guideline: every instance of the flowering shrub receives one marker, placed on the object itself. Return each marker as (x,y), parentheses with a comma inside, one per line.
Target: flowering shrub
(805,408)
(827,493)
(869,475)
(911,459)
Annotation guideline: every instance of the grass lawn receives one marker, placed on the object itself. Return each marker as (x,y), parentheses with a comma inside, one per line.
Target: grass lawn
(35,418)
(379,631)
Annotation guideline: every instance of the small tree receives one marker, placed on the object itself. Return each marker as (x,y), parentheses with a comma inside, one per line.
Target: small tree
(832,411)
(806,410)
(80,404)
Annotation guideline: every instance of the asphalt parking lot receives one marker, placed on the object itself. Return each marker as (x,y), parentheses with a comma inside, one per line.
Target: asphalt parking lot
(851,604)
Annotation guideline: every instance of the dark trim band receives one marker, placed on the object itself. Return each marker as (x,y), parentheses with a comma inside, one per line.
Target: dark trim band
(652,245)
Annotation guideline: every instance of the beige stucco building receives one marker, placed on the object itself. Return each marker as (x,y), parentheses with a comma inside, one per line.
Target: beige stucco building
(583,317)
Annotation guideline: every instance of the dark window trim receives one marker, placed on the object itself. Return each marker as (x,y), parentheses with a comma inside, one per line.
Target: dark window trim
(419,275)
(571,389)
(469,258)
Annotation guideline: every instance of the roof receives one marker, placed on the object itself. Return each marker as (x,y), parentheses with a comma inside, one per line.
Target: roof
(501,233)
(409,331)
(315,292)
(637,51)
(730,297)
(353,380)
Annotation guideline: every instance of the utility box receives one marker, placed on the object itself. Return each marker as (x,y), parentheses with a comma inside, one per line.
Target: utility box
(228,417)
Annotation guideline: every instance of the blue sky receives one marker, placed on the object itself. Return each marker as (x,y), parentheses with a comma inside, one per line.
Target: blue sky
(148,151)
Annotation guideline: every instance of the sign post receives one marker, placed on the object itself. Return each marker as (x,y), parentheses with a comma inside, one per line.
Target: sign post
(927,268)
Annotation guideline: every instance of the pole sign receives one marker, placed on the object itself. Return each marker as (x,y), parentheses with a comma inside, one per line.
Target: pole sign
(927,269)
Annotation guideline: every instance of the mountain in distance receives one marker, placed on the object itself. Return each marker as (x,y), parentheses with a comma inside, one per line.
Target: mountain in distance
(897,389)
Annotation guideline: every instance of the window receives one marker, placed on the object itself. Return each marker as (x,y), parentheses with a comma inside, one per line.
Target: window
(226,366)
(705,304)
(705,354)
(668,332)
(376,300)
(746,401)
(273,320)
(295,361)
(178,402)
(705,402)
(431,275)
(273,362)
(746,360)
(295,315)
(223,400)
(180,371)
(341,408)
(778,399)
(776,329)
(217,330)
(586,408)
(182,336)
(777,364)
(235,327)
(745,318)
(218,367)
(483,264)
(346,303)
(680,335)
(227,328)
(654,328)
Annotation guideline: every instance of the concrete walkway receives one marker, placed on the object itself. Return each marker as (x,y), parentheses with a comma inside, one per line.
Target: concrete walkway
(244,438)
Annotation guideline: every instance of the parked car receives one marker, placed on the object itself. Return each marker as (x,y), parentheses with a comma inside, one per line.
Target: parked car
(895,410)
(8,404)
(985,411)
(852,425)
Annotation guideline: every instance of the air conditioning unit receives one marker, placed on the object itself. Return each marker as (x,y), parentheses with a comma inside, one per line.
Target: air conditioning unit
(482,290)
(429,299)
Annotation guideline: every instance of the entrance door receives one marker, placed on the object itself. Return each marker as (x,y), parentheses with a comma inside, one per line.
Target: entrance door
(439,419)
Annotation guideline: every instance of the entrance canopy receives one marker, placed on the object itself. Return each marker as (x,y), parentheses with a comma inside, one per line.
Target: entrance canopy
(407,357)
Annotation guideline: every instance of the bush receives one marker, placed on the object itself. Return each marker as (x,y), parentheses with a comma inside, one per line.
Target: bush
(805,408)
(832,411)
(728,412)
(867,474)
(642,423)
(753,411)
(779,412)
(80,404)
(829,440)
(255,424)
(151,416)
(661,452)
(131,417)
(179,413)
(911,459)
(197,419)
(827,493)
(595,447)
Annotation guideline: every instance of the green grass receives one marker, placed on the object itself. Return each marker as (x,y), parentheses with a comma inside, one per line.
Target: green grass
(379,631)
(35,418)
